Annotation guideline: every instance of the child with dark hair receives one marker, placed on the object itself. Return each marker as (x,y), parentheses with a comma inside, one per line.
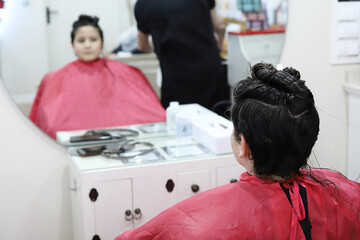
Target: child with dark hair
(93,92)
(279,197)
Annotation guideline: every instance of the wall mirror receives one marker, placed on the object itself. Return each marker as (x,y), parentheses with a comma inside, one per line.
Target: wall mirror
(255,33)
(35,34)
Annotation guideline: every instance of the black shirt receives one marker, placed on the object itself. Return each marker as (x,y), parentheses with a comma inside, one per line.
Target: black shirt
(184,42)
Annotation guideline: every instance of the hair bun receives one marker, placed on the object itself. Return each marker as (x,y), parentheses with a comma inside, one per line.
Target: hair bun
(263,71)
(293,72)
(285,87)
(88,18)
(282,80)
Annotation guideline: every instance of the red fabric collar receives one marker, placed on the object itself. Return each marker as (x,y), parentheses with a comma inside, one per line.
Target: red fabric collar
(246,177)
(97,63)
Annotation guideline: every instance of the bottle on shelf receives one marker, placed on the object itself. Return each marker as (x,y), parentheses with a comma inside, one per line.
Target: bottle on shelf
(171,112)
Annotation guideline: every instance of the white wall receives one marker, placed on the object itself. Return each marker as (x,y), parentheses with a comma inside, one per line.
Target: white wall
(308,48)
(34,201)
(23,48)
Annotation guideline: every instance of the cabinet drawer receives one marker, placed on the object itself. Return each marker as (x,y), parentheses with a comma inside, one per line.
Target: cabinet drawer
(113,199)
(150,196)
(225,175)
(191,183)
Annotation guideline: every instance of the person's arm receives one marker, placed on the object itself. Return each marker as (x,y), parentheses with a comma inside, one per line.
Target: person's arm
(143,42)
(219,27)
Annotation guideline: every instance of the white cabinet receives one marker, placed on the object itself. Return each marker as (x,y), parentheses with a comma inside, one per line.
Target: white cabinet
(113,200)
(231,174)
(150,188)
(150,196)
(191,183)
(120,205)
(247,49)
(107,203)
(110,196)
(353,158)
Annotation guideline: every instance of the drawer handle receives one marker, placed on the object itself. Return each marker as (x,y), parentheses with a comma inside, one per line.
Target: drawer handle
(128,215)
(233,180)
(170,185)
(195,188)
(96,237)
(138,213)
(93,195)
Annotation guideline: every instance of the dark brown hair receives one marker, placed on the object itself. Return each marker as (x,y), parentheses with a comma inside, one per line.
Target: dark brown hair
(275,112)
(85,20)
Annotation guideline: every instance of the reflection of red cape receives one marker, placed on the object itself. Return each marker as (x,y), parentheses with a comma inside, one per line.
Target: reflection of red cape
(85,95)
(259,209)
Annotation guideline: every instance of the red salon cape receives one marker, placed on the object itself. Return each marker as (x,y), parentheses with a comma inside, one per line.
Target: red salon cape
(259,209)
(86,95)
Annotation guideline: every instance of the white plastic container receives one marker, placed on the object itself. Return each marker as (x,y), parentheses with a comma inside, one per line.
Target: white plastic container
(171,112)
(214,132)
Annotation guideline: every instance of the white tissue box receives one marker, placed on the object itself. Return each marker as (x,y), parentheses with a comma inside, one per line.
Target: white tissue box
(214,132)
